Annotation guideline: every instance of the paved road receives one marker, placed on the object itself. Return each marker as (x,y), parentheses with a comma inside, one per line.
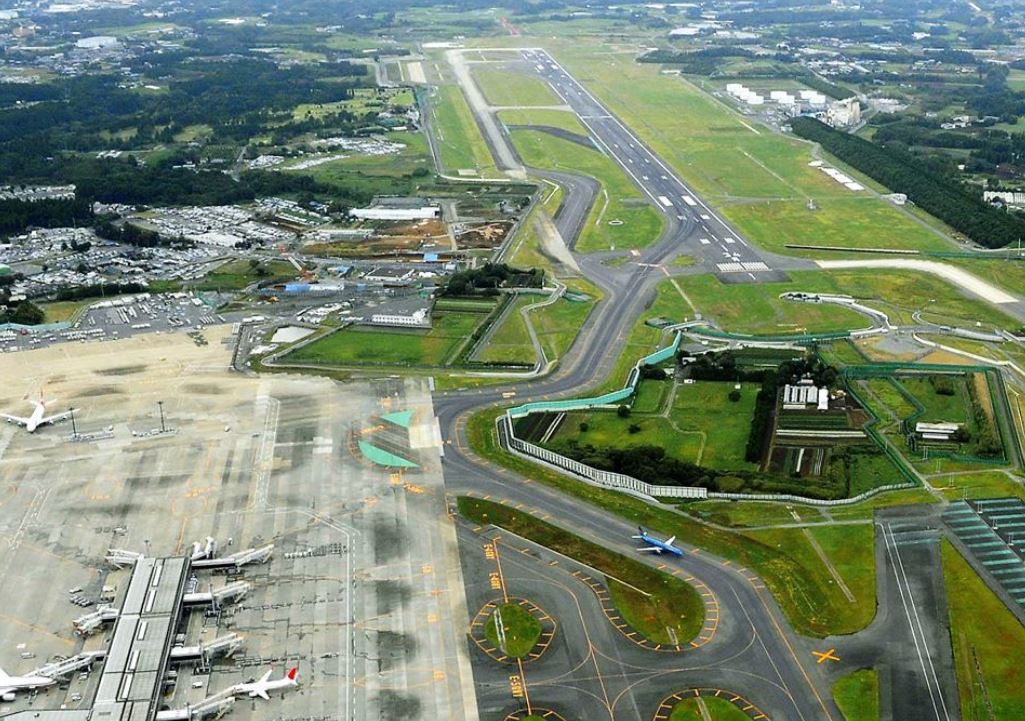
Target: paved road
(768,663)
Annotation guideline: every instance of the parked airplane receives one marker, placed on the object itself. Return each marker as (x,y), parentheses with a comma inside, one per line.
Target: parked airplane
(261,687)
(9,685)
(657,546)
(38,417)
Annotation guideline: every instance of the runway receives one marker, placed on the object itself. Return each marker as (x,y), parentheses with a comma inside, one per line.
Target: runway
(698,228)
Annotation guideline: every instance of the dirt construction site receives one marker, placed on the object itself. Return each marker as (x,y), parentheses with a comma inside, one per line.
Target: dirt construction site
(169,448)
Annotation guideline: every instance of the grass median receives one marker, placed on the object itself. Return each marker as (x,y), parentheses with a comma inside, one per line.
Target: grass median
(857,695)
(520,631)
(662,608)
(708,708)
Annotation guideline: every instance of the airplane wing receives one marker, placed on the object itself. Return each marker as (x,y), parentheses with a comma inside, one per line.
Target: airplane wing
(651,549)
(14,419)
(266,677)
(262,693)
(55,418)
(670,541)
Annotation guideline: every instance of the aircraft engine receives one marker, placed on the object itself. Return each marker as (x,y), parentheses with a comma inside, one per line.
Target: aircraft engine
(9,696)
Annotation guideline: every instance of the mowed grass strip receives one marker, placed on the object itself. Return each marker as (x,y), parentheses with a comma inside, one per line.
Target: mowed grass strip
(505,88)
(857,695)
(520,630)
(634,222)
(798,579)
(460,143)
(672,607)
(562,119)
(360,345)
(990,675)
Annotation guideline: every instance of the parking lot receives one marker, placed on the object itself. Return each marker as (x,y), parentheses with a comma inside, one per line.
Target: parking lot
(122,317)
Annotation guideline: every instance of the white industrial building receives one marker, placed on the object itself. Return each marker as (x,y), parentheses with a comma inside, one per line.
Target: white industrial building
(937,431)
(418,319)
(1007,198)
(425,213)
(799,397)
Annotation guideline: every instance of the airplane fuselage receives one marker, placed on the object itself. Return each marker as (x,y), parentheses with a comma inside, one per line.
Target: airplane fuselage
(657,545)
(10,685)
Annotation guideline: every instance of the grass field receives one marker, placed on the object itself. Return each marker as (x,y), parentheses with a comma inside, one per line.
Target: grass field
(557,325)
(671,603)
(707,708)
(851,551)
(699,411)
(64,310)
(740,514)
(989,677)
(650,395)
(460,143)
(857,695)
(522,630)
(987,484)
(636,223)
(939,407)
(797,578)
(237,274)
(369,346)
(504,88)
(732,162)
(564,119)
(758,308)
(510,342)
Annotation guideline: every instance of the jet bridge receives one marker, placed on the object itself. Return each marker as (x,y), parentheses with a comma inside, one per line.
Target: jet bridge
(92,622)
(222,646)
(213,706)
(68,666)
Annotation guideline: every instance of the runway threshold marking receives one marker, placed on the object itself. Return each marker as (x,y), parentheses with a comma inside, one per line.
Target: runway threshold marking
(824,656)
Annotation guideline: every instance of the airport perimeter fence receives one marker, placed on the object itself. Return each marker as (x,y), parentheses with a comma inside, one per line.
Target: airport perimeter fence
(605,479)
(788,498)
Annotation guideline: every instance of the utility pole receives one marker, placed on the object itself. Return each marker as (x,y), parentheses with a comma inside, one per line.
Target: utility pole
(160,405)
(74,430)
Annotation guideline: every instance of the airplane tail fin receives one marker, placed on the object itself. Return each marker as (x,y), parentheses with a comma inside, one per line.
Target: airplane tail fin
(640,533)
(3,676)
(293,674)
